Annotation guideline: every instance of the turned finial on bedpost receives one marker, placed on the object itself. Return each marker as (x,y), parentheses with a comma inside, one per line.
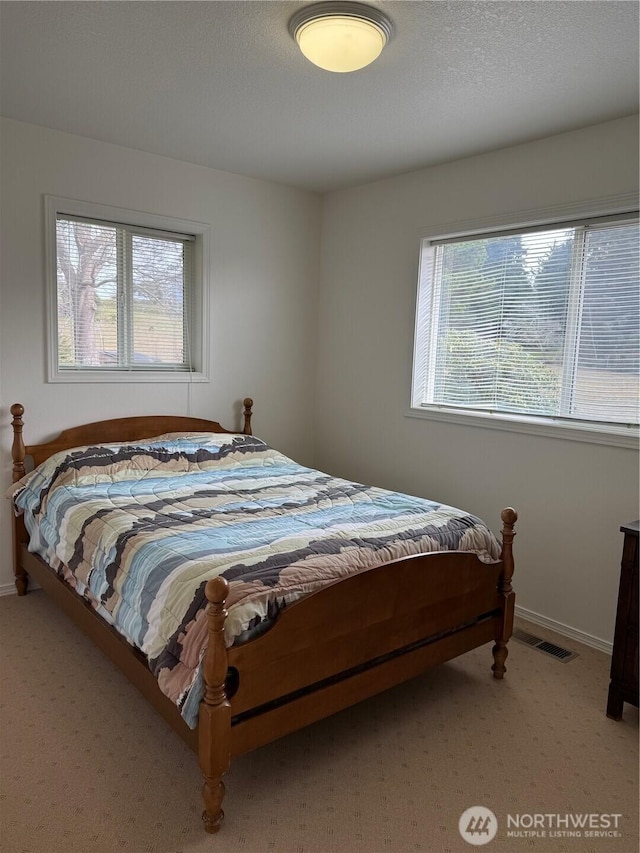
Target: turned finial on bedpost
(247,403)
(509,517)
(17,448)
(505,591)
(214,748)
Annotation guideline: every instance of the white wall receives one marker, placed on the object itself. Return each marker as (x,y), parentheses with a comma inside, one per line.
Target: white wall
(265,310)
(264,277)
(572,497)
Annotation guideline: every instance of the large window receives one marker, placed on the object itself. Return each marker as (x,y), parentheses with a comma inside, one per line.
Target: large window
(540,323)
(126,298)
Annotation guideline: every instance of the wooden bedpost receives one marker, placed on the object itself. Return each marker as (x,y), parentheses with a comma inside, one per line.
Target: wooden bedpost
(509,517)
(214,747)
(247,403)
(17,448)
(18,454)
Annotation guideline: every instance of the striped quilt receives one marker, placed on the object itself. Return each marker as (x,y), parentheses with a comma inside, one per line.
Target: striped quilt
(139,529)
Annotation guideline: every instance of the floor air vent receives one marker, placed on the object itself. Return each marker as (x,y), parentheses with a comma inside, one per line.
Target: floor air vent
(551,649)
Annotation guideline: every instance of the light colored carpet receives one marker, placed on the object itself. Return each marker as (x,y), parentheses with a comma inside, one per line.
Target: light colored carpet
(88,767)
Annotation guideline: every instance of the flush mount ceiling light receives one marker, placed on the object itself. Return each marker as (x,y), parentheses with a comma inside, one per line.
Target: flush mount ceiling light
(340,36)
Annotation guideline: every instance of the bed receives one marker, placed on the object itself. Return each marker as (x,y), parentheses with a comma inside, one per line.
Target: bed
(316,593)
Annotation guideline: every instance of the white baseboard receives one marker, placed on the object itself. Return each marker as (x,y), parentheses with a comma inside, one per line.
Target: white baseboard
(565,630)
(10,588)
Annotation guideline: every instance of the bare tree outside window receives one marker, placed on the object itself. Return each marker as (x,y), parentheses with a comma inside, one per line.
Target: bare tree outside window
(86,263)
(122,299)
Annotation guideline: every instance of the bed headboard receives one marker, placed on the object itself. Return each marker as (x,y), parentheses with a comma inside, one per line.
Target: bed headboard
(117,429)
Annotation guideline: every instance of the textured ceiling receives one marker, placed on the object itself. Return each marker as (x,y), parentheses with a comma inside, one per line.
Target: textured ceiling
(222,84)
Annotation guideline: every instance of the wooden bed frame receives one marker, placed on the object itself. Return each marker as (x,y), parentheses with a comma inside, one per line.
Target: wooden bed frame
(351,640)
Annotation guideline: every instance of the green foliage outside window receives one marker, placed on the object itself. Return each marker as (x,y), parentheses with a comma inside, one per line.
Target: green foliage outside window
(521,380)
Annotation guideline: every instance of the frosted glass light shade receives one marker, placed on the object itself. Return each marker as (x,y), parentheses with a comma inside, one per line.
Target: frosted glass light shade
(340,37)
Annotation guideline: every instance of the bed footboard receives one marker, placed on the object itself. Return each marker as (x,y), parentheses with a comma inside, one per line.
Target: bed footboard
(345,643)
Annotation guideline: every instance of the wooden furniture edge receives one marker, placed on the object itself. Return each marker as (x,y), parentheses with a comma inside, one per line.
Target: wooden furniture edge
(623,672)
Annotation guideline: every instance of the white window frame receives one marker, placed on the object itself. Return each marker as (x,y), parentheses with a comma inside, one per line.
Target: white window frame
(585,431)
(56,206)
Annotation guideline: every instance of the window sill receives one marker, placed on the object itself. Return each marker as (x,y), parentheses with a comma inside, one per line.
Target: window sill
(126,376)
(613,436)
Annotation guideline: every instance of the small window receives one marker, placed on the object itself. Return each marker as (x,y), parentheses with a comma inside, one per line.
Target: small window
(125,297)
(541,323)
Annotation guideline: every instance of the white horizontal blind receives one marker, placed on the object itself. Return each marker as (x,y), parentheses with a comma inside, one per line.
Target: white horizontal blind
(606,374)
(123,296)
(542,323)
